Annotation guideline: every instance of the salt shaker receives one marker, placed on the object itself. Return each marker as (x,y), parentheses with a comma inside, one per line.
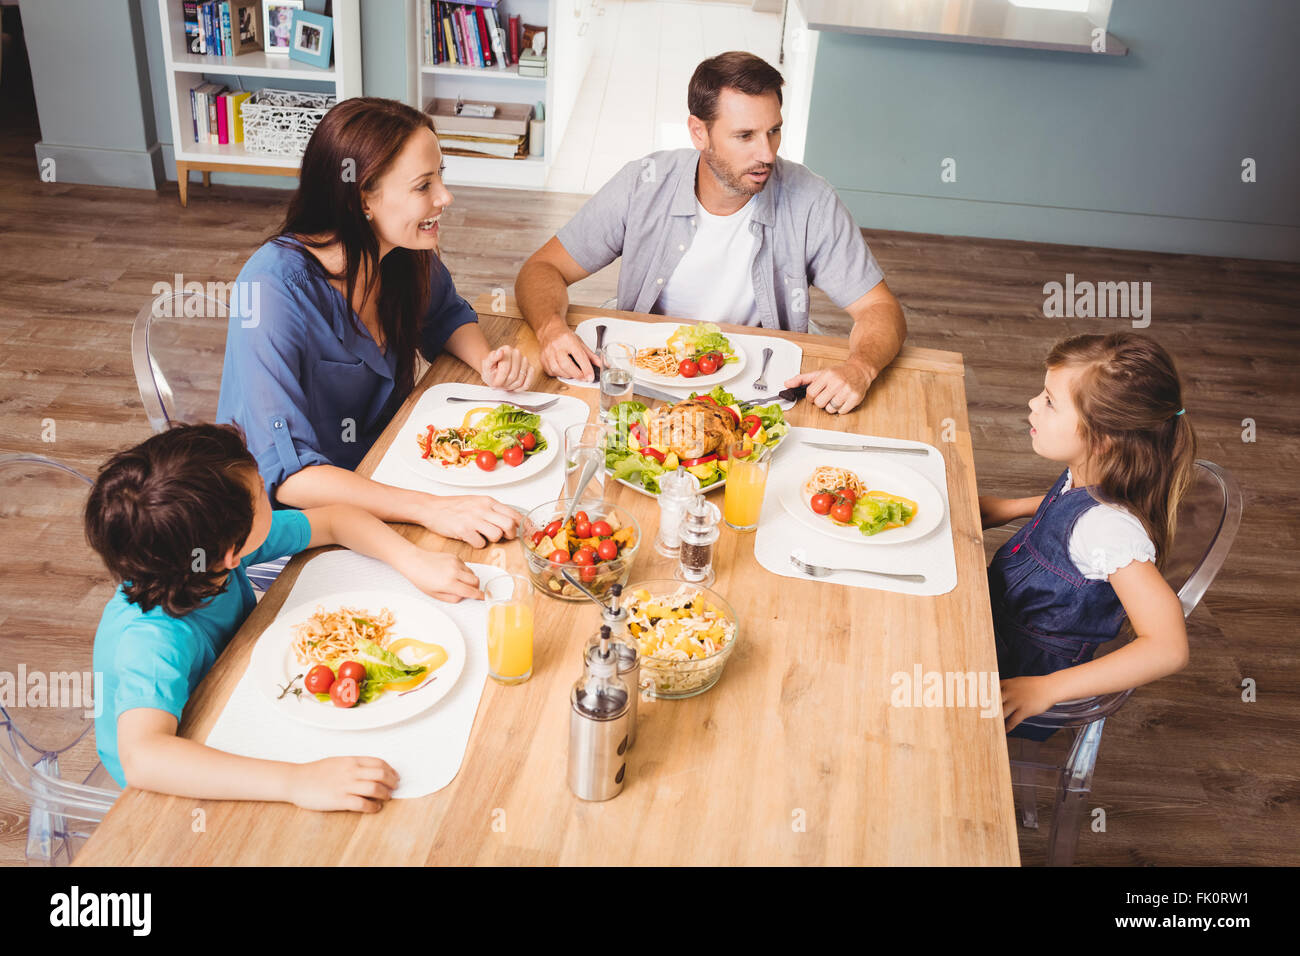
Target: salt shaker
(677,490)
(598,725)
(629,658)
(699,532)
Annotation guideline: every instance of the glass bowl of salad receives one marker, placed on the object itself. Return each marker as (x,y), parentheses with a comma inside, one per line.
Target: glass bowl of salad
(597,546)
(685,634)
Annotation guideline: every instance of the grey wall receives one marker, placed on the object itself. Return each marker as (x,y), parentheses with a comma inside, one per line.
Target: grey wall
(1142,151)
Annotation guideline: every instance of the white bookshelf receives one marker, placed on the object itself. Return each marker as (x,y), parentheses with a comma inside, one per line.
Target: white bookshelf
(185,70)
(568,50)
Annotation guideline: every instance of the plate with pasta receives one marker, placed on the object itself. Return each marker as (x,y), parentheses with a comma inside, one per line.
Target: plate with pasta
(852,497)
(698,356)
(481,447)
(359,660)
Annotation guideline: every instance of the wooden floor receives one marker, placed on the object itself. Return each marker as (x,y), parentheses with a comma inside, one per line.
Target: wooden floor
(1187,774)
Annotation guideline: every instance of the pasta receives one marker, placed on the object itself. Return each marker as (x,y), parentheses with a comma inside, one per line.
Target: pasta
(329,635)
(660,361)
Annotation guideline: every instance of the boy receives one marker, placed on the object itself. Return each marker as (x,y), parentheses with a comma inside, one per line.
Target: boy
(178,519)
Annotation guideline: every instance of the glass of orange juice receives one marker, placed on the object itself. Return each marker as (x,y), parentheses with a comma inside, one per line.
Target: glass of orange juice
(510,628)
(746,482)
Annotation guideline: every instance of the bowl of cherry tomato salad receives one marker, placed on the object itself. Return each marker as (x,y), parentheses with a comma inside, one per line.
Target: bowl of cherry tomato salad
(597,546)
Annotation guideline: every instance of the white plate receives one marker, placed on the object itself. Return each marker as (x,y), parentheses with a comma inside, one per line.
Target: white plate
(470,475)
(879,476)
(273,663)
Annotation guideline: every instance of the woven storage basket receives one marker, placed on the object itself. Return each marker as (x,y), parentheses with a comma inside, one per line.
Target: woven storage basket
(281,121)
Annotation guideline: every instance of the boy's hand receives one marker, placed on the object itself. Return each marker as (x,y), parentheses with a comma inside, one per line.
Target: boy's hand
(1024,697)
(506,368)
(440,575)
(342,783)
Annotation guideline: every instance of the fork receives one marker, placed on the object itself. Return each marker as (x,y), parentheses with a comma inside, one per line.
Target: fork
(528,408)
(815,571)
(760,383)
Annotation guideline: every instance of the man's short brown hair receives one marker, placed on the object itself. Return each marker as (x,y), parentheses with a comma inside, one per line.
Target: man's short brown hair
(154,504)
(737,70)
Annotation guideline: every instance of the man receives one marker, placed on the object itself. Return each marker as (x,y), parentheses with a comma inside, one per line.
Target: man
(725,232)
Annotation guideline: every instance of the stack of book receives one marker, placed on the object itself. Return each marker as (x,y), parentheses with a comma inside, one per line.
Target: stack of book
(220,27)
(469,33)
(532,64)
(217,114)
(503,136)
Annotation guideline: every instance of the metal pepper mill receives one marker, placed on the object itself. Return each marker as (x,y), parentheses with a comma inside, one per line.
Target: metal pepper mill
(629,658)
(598,727)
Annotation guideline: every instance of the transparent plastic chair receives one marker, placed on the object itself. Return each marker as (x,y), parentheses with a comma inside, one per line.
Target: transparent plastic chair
(54,589)
(1207,524)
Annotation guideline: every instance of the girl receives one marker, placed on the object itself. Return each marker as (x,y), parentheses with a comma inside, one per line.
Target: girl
(334,311)
(1112,410)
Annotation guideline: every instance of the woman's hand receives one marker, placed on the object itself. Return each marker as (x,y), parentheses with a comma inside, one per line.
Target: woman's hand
(474,519)
(440,575)
(342,783)
(1025,697)
(506,368)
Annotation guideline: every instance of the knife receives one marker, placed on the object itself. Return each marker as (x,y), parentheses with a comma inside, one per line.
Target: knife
(901,451)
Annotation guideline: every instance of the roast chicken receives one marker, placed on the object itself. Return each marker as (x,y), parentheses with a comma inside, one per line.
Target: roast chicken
(691,429)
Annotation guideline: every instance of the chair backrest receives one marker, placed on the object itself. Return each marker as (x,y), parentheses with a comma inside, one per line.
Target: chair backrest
(52,594)
(1208,519)
(37,779)
(177,346)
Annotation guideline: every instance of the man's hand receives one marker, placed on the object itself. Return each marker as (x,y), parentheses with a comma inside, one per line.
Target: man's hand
(474,519)
(1024,697)
(564,355)
(506,368)
(342,783)
(839,389)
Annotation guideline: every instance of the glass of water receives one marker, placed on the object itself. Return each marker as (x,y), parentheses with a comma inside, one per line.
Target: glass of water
(583,443)
(617,362)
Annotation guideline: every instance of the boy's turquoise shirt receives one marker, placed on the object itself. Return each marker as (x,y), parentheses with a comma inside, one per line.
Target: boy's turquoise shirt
(152,659)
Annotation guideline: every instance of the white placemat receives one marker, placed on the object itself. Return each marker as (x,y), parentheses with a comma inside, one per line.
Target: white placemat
(779,532)
(787,358)
(426,751)
(546,486)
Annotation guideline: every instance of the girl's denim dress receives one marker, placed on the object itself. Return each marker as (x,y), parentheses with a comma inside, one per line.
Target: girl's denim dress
(1046,615)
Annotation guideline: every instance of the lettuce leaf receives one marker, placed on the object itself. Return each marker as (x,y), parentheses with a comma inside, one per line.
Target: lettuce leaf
(499,429)
(871,515)
(703,337)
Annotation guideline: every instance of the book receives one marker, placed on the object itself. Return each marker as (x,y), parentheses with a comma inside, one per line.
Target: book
(227,42)
(453,30)
(513,37)
(498,40)
(237,115)
(190,16)
(223,122)
(484,45)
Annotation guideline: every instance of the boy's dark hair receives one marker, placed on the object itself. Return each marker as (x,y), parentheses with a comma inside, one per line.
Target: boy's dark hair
(153,505)
(743,72)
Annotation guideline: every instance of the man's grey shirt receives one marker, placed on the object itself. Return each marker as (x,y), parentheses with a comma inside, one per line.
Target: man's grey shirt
(647,212)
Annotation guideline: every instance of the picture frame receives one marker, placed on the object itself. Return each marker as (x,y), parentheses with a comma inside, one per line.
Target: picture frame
(311,38)
(277,25)
(246,27)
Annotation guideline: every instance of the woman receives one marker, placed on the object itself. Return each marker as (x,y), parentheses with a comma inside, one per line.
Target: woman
(329,315)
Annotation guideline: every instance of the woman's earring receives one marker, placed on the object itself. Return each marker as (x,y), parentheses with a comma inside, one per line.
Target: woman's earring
(369,217)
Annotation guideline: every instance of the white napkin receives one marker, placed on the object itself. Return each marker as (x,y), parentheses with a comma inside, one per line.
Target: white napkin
(544,487)
(779,532)
(427,750)
(787,358)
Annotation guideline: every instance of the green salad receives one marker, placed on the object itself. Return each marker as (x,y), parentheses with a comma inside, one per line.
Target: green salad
(630,457)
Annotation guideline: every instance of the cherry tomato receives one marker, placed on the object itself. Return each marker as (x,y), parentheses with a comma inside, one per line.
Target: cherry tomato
(551,528)
(719,359)
(319,680)
(688,369)
(345,692)
(848,494)
(485,460)
(707,365)
(607,549)
(559,556)
(585,556)
(752,424)
(354,670)
(842,512)
(528,440)
(588,574)
(582,516)
(821,503)
(582,527)
(537,537)
(513,456)
(601,529)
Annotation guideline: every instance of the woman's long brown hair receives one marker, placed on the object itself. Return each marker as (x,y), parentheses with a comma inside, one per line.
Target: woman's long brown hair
(351,148)
(1128,396)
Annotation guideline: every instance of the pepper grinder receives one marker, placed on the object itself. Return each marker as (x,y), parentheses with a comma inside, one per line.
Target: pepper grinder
(598,725)
(699,532)
(629,658)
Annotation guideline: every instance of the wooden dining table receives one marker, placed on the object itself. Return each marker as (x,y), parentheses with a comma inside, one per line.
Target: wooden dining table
(797,756)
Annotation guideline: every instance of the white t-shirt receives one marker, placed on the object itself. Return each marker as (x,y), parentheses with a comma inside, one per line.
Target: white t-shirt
(1107,538)
(714,282)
